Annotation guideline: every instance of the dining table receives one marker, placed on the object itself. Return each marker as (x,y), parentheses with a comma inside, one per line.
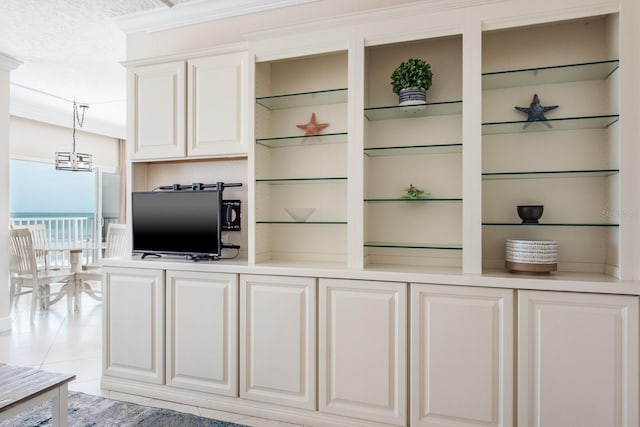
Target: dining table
(75,286)
(75,254)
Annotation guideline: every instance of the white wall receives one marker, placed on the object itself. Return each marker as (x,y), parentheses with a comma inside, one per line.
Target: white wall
(6,65)
(32,140)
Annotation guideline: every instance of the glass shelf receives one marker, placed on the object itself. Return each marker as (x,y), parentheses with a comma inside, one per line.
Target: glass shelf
(291,141)
(566,123)
(409,111)
(409,150)
(549,75)
(550,224)
(426,199)
(304,99)
(438,246)
(549,174)
(282,181)
(304,222)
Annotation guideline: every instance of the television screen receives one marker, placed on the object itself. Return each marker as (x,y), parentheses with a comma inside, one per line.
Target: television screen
(176,222)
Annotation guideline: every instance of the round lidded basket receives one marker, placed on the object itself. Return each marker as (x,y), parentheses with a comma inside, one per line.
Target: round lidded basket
(531,256)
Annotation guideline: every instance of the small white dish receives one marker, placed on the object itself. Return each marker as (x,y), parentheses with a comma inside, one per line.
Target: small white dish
(300,214)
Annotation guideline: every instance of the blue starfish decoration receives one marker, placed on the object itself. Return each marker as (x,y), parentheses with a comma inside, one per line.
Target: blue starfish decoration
(536,111)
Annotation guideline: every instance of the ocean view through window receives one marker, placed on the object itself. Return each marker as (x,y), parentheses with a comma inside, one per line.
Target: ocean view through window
(63,201)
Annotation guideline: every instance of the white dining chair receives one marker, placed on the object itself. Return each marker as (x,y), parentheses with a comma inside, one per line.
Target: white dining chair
(40,242)
(116,244)
(25,274)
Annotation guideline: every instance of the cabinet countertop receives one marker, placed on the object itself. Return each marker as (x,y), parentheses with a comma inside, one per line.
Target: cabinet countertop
(560,281)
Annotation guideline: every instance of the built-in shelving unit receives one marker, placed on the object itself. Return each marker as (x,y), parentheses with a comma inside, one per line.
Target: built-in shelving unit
(568,163)
(413,246)
(297,170)
(565,73)
(404,112)
(283,181)
(304,99)
(413,150)
(422,200)
(546,224)
(288,141)
(548,174)
(552,124)
(419,145)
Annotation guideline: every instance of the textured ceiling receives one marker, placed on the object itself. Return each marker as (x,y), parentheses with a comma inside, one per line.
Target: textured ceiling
(70,49)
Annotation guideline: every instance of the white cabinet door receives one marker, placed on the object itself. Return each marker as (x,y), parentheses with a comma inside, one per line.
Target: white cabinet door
(217,105)
(157,98)
(577,359)
(202,331)
(363,349)
(133,323)
(461,356)
(278,340)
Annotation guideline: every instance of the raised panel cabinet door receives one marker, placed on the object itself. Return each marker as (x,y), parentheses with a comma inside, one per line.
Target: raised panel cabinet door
(157,101)
(577,359)
(133,323)
(461,356)
(362,329)
(202,331)
(278,340)
(217,92)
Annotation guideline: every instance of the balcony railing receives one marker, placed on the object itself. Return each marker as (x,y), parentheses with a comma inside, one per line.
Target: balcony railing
(67,231)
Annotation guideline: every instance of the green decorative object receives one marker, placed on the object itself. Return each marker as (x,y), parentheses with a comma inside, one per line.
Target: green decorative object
(412,192)
(413,75)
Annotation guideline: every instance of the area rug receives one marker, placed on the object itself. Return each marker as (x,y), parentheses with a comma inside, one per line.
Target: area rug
(86,410)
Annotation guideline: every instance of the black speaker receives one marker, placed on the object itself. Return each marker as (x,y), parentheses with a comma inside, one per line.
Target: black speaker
(230,215)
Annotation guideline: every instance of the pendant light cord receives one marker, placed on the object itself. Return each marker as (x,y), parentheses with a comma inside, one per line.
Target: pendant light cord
(77,118)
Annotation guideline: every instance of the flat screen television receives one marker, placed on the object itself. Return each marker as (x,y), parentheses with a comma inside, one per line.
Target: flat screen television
(177,223)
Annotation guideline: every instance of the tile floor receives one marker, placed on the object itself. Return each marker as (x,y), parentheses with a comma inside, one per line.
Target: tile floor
(63,342)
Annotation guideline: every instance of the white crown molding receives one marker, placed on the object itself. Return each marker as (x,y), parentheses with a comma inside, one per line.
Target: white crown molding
(8,63)
(190,54)
(557,14)
(380,15)
(195,12)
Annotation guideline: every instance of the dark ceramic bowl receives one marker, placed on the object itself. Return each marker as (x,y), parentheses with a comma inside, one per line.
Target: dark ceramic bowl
(530,214)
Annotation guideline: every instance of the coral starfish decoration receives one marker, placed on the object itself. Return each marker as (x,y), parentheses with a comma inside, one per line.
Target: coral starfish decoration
(536,111)
(312,128)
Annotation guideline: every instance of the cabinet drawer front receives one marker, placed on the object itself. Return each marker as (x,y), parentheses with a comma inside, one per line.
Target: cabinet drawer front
(461,356)
(202,331)
(363,349)
(278,340)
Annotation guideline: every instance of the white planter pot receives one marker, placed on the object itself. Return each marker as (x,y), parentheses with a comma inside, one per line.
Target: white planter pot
(412,96)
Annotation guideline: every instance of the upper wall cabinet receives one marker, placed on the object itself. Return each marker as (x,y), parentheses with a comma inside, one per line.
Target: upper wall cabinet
(208,94)
(157,101)
(217,91)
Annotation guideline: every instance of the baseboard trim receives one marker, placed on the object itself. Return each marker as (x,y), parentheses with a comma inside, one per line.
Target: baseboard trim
(233,404)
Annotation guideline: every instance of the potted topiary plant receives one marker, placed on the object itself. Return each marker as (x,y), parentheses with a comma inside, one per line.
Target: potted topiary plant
(411,80)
